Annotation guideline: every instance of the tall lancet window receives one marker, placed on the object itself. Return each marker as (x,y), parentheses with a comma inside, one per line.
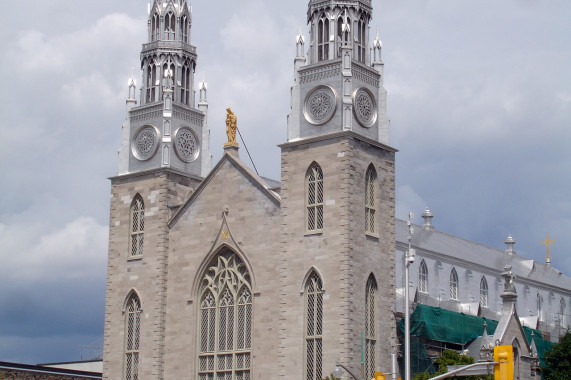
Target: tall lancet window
(453,284)
(137,226)
(132,333)
(539,307)
(423,277)
(151,83)
(370,330)
(184,29)
(225,320)
(360,40)
(370,205)
(170,26)
(562,312)
(323,38)
(313,328)
(185,84)
(169,69)
(483,292)
(155,27)
(314,205)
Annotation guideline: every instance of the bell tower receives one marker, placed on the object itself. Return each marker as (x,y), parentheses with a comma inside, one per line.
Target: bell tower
(337,201)
(167,130)
(164,156)
(341,86)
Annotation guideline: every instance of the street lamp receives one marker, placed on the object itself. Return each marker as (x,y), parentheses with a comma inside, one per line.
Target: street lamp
(409,259)
(338,371)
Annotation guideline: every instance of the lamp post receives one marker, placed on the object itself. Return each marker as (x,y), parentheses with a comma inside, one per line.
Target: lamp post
(338,371)
(409,259)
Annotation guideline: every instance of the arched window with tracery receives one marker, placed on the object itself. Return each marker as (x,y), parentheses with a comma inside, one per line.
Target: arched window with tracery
(423,277)
(170,26)
(453,284)
(313,328)
(323,38)
(370,204)
(314,200)
(137,230)
(151,83)
(370,330)
(484,292)
(132,334)
(184,29)
(225,320)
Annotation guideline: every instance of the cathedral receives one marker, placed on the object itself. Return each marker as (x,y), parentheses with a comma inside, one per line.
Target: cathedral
(217,273)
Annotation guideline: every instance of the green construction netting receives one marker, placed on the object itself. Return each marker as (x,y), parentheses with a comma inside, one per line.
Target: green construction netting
(541,344)
(446,326)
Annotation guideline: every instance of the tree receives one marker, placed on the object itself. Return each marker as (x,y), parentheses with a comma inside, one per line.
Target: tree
(558,360)
(447,358)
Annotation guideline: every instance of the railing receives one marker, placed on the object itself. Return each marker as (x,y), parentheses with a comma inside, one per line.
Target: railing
(169,45)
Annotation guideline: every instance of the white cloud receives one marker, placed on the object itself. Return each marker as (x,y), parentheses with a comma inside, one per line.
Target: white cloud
(409,200)
(31,255)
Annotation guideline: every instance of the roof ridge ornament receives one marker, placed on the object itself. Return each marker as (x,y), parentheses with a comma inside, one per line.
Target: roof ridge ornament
(547,242)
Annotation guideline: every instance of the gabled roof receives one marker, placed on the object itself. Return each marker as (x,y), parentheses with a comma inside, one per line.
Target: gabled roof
(256,180)
(452,249)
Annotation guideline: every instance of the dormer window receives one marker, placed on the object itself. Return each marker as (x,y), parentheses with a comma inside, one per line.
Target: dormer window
(170,26)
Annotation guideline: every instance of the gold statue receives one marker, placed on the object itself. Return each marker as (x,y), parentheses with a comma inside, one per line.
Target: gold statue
(231,127)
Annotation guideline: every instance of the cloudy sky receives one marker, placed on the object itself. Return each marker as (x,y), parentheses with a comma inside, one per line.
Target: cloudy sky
(479,96)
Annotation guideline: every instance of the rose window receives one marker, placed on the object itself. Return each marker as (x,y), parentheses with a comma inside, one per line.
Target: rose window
(364,107)
(186,144)
(145,143)
(320,105)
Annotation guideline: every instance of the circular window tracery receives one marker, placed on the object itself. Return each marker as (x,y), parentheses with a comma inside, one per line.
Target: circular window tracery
(320,105)
(364,107)
(186,144)
(145,142)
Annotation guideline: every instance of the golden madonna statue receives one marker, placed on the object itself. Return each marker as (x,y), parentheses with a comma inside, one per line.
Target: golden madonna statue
(231,127)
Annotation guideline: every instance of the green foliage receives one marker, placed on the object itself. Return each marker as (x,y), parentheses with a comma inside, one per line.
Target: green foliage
(331,377)
(447,358)
(558,360)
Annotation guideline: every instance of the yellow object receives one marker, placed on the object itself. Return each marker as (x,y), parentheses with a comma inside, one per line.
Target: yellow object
(547,242)
(379,376)
(231,127)
(504,356)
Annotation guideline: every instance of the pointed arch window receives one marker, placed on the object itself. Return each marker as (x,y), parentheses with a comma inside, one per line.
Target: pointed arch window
(169,67)
(313,328)
(484,292)
(562,312)
(170,26)
(370,330)
(184,29)
(323,38)
(225,320)
(155,27)
(137,229)
(132,334)
(151,83)
(370,204)
(314,204)
(539,307)
(453,284)
(423,277)
(185,84)
(360,40)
